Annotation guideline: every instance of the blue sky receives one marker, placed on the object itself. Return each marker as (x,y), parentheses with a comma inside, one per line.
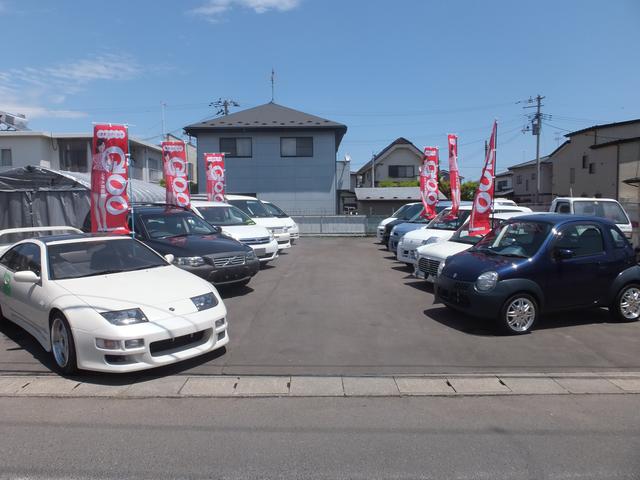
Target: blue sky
(417,69)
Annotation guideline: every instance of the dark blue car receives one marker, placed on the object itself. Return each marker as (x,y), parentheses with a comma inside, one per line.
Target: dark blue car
(539,263)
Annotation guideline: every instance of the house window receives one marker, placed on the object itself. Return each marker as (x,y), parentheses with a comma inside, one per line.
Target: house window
(402,171)
(519,179)
(239,147)
(585,160)
(502,185)
(73,156)
(296,146)
(5,157)
(533,176)
(526,185)
(592,168)
(572,176)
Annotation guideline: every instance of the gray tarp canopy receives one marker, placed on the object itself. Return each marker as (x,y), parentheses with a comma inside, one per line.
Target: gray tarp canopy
(38,197)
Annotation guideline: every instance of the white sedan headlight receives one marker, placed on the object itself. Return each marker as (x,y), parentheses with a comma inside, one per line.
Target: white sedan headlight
(487,281)
(125,317)
(204,302)
(189,261)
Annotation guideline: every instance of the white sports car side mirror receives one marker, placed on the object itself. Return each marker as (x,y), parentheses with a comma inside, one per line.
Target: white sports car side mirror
(26,276)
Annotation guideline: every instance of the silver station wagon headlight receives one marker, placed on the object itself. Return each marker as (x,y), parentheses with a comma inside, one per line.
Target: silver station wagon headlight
(125,317)
(205,302)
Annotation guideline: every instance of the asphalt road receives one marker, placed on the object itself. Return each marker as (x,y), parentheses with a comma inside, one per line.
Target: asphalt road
(336,306)
(492,438)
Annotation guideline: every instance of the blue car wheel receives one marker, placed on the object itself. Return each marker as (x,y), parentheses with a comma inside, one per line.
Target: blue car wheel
(519,313)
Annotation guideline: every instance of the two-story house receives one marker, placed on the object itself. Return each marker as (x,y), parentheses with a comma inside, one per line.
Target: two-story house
(277,154)
(399,161)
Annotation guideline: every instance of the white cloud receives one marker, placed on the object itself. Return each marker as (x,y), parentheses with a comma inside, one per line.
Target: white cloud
(31,91)
(214,10)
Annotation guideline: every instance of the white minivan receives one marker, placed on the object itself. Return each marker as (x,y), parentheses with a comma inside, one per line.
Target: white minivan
(600,207)
(259,214)
(238,225)
(441,228)
(276,211)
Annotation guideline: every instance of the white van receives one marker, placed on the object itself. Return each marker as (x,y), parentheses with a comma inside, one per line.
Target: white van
(238,225)
(440,229)
(276,211)
(259,214)
(600,207)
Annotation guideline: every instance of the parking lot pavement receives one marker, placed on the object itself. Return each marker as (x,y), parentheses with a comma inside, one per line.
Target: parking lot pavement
(344,306)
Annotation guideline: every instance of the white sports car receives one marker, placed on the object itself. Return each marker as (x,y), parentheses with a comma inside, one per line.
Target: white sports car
(108,303)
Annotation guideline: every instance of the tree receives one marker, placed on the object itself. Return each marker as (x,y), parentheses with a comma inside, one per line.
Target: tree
(445,187)
(468,190)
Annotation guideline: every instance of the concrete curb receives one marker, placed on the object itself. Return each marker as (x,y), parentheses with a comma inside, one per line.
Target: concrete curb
(194,386)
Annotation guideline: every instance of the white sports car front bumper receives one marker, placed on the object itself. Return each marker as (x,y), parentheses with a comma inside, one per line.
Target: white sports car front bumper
(166,341)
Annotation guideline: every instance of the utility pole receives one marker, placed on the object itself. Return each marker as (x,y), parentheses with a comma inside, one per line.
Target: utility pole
(273,84)
(536,128)
(373,170)
(222,105)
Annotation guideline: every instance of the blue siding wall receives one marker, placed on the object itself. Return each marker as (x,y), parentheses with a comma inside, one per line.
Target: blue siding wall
(299,185)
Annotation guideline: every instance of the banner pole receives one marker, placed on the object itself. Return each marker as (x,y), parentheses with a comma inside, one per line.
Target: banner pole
(133,223)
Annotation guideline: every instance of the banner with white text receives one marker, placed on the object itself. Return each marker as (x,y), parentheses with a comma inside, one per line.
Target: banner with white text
(454,175)
(429,181)
(480,223)
(109,179)
(174,165)
(214,168)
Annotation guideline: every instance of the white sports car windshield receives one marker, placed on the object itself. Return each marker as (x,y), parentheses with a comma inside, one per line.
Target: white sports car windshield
(86,259)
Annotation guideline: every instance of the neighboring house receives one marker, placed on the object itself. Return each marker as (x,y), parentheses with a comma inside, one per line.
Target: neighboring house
(524,181)
(599,161)
(72,152)
(504,186)
(386,200)
(277,154)
(399,161)
(192,157)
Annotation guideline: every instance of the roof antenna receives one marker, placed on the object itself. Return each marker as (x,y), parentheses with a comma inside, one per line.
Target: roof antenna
(273,81)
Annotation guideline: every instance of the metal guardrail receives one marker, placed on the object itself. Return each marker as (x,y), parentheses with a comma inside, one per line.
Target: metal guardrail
(337,225)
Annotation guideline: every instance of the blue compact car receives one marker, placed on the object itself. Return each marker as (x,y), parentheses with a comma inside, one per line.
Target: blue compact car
(538,263)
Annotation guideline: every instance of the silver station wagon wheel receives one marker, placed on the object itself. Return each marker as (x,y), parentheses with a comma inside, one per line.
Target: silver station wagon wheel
(627,304)
(519,314)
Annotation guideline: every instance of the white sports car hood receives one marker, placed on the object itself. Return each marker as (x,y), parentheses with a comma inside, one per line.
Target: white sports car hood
(155,291)
(240,232)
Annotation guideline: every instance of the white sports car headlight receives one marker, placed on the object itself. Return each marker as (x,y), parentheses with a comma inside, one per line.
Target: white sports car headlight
(204,302)
(125,317)
(487,281)
(189,261)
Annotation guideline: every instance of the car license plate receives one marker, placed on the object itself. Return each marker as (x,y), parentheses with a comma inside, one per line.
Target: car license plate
(260,252)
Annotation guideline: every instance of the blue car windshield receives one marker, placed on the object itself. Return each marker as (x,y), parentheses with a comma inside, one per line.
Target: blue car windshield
(516,239)
(444,220)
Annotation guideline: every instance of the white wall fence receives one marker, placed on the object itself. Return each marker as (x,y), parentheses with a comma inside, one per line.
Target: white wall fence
(337,225)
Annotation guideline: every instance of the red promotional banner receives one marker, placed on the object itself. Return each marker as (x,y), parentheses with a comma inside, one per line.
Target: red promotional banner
(109,179)
(429,181)
(174,165)
(480,223)
(214,167)
(454,176)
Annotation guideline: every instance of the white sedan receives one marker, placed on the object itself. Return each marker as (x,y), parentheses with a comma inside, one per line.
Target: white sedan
(108,303)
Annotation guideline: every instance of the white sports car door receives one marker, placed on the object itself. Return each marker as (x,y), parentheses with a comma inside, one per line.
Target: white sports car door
(28,301)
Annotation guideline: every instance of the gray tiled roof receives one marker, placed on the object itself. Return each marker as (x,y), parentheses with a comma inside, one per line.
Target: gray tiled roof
(267,116)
